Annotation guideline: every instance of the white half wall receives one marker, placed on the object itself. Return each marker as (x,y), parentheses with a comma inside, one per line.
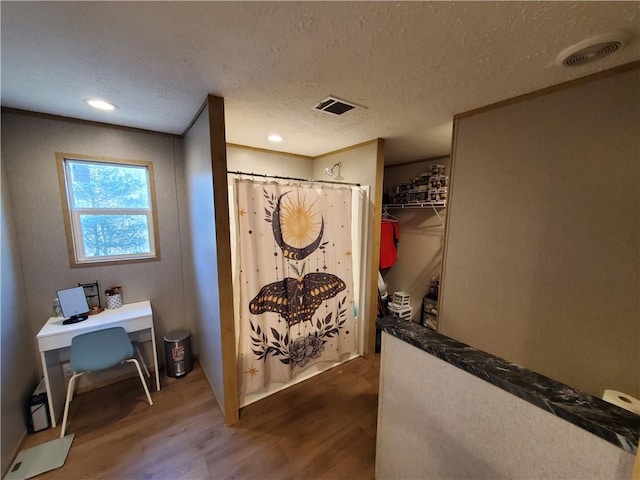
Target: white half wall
(436,421)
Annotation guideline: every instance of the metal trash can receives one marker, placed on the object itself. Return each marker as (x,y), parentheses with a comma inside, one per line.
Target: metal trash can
(177,353)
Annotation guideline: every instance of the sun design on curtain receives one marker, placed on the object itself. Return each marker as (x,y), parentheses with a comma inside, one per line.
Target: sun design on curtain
(294,218)
(296,223)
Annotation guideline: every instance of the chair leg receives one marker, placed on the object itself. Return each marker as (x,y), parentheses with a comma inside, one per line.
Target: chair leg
(67,401)
(144,384)
(144,364)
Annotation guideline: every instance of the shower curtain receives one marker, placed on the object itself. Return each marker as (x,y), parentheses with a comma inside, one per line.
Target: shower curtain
(296,281)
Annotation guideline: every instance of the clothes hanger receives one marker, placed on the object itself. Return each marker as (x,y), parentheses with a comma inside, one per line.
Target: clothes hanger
(387,216)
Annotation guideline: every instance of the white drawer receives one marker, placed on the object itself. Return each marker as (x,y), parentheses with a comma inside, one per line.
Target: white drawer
(61,340)
(133,325)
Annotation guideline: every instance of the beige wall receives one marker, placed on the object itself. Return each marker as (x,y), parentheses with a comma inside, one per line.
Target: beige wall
(18,361)
(358,165)
(436,421)
(421,239)
(29,144)
(199,179)
(542,260)
(251,160)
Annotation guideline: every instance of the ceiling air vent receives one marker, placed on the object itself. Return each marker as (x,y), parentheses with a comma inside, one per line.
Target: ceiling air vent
(592,49)
(335,106)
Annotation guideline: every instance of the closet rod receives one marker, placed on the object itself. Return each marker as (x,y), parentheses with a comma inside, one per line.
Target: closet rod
(290,178)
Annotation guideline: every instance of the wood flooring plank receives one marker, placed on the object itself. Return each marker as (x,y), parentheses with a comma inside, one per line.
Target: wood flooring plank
(323,427)
(322,460)
(254,460)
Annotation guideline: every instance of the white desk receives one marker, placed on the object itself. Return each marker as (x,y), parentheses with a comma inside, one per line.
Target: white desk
(134,317)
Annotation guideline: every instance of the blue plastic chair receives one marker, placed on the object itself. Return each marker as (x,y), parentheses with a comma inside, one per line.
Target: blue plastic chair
(99,350)
(140,357)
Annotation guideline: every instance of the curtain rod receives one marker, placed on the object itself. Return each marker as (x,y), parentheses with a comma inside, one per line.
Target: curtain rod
(290,178)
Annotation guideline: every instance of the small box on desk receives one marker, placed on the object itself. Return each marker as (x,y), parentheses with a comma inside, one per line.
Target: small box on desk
(38,409)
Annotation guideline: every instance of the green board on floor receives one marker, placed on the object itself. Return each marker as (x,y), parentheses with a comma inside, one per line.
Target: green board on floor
(42,458)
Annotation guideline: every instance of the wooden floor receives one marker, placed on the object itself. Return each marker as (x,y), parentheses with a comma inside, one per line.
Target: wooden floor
(324,427)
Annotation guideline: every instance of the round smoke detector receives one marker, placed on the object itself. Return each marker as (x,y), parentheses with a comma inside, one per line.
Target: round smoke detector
(592,49)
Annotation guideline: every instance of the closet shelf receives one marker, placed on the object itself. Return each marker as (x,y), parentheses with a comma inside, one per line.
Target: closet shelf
(441,204)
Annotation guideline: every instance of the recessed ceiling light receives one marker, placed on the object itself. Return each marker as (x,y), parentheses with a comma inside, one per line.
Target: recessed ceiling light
(100,104)
(274,138)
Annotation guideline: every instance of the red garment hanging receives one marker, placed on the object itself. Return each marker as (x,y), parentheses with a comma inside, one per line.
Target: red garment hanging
(389,236)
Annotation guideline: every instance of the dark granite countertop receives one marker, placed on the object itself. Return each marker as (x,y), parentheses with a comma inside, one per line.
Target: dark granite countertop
(607,421)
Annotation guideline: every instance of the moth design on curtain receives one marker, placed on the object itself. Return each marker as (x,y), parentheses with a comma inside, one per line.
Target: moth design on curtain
(298,298)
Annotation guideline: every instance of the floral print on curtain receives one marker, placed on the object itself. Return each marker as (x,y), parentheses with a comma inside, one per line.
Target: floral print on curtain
(296,279)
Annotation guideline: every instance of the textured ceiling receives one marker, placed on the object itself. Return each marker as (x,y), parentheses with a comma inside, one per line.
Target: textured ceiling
(412,64)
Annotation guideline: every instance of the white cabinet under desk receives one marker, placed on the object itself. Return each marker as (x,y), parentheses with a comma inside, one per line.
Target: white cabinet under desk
(135,318)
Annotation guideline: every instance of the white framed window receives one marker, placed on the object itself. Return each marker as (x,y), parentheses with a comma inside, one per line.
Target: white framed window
(109,208)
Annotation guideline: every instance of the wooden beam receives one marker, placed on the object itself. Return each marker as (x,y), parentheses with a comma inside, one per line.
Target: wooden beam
(376,215)
(223,252)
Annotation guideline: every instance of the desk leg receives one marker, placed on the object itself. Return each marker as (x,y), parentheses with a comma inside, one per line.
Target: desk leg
(54,381)
(155,357)
(52,413)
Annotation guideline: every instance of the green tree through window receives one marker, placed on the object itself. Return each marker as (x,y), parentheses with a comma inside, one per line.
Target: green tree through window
(110,205)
